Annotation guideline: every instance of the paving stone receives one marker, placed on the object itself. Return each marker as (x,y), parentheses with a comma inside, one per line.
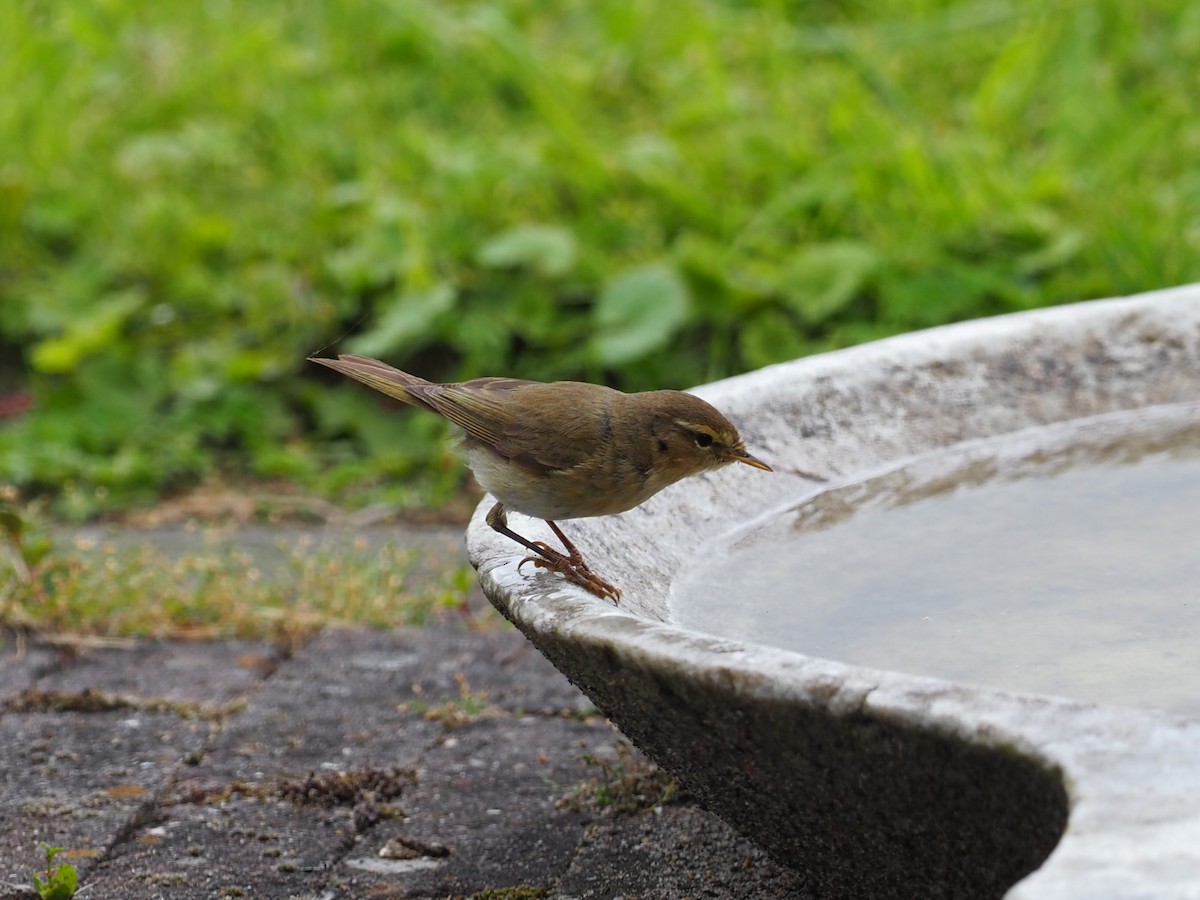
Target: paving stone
(156,805)
(77,780)
(500,663)
(244,847)
(207,673)
(325,712)
(22,663)
(487,804)
(671,852)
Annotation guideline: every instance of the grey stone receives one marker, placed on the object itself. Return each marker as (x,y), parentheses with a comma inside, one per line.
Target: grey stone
(675,851)
(22,663)
(168,778)
(261,847)
(487,797)
(172,671)
(82,780)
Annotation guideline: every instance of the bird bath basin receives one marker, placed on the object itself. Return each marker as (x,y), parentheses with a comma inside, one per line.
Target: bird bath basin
(864,771)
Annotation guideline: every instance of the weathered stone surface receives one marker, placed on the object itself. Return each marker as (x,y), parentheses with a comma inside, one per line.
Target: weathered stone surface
(239,848)
(21,663)
(675,851)
(415,763)
(487,796)
(186,672)
(81,780)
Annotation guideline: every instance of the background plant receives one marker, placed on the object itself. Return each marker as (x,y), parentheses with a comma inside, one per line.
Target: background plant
(217,588)
(194,197)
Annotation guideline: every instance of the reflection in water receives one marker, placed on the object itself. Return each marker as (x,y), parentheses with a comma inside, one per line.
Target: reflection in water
(1064,560)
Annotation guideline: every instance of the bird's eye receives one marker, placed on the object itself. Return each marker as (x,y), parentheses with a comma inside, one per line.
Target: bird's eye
(703,439)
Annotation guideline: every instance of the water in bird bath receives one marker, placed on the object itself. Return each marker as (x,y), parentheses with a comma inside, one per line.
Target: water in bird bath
(1062,560)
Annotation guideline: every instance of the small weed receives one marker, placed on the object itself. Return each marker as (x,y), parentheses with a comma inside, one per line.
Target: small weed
(625,786)
(24,546)
(329,790)
(519,892)
(90,700)
(347,788)
(21,540)
(60,881)
(469,706)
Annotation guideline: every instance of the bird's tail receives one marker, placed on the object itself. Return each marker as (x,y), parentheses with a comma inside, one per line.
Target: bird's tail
(378,375)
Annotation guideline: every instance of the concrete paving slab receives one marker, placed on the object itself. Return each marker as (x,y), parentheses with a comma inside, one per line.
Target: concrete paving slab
(22,663)
(244,847)
(425,665)
(432,762)
(670,852)
(184,672)
(80,779)
(487,797)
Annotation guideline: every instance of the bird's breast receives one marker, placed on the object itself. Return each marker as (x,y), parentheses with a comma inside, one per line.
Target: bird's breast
(603,487)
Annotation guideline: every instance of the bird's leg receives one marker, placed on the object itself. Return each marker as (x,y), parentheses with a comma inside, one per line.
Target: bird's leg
(570,565)
(573,553)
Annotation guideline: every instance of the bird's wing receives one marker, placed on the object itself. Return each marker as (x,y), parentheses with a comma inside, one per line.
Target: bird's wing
(523,421)
(480,407)
(500,413)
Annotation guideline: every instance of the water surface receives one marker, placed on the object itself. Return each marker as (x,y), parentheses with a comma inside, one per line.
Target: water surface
(1062,561)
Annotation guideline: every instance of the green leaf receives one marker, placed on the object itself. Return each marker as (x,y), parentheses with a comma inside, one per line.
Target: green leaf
(770,336)
(368,263)
(549,250)
(637,312)
(823,278)
(945,292)
(63,883)
(408,323)
(1060,248)
(35,548)
(715,270)
(87,334)
(11,524)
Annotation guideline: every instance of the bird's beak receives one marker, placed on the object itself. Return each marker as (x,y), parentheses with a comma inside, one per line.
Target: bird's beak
(739,454)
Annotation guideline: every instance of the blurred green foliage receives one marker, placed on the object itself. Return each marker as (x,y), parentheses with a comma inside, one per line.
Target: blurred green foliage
(196,196)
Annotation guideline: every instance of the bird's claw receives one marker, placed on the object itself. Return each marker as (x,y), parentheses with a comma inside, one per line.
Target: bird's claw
(538,563)
(574,570)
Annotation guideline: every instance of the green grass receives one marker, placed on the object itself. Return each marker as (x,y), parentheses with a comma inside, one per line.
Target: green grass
(194,197)
(217,589)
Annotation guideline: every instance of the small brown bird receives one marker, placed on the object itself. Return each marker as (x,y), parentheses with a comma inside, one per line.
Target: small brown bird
(566,450)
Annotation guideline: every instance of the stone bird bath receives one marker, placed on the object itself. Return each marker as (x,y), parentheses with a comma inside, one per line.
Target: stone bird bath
(878,783)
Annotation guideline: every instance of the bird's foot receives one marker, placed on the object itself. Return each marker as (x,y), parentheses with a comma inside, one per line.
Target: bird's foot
(574,569)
